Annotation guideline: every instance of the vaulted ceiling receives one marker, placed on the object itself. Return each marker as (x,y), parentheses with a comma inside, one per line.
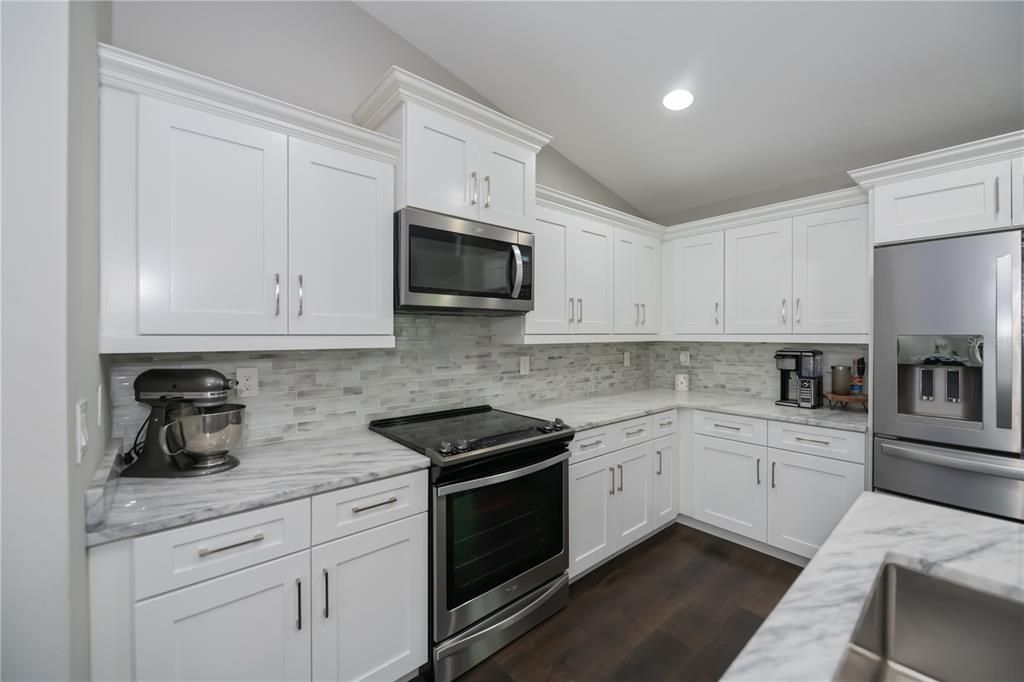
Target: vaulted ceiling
(789,96)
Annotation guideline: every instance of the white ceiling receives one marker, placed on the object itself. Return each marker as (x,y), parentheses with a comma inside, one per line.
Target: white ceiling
(786,93)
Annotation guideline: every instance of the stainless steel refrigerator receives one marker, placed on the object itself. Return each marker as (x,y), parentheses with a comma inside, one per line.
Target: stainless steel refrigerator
(947,379)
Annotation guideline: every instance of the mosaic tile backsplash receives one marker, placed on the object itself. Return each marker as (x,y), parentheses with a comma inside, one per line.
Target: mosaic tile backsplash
(441,362)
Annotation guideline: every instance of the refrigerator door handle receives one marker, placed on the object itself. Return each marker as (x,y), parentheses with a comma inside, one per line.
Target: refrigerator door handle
(1004,342)
(951,461)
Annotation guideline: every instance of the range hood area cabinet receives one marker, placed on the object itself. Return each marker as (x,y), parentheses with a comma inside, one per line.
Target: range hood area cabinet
(230,221)
(458,157)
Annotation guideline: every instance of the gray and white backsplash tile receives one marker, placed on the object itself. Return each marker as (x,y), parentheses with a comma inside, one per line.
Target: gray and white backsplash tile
(442,362)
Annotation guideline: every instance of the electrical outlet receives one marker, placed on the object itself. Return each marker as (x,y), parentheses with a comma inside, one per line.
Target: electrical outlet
(524,364)
(625,358)
(248,382)
(81,429)
(684,358)
(99,406)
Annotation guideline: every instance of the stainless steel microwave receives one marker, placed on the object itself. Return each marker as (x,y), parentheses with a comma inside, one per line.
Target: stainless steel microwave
(453,265)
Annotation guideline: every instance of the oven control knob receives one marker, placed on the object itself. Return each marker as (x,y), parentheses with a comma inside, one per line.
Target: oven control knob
(547,427)
(461,445)
(445,448)
(559,424)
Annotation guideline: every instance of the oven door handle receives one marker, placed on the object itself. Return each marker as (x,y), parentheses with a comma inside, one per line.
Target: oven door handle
(953,462)
(517,284)
(500,478)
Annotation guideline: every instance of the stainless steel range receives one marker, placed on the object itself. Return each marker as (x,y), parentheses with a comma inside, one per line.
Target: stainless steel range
(499,526)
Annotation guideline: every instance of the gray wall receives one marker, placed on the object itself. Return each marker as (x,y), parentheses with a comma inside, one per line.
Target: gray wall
(49,357)
(325,56)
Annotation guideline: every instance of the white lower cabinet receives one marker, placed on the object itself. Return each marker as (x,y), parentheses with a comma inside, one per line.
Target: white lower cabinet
(250,625)
(369,603)
(729,490)
(591,512)
(807,497)
(632,504)
(664,465)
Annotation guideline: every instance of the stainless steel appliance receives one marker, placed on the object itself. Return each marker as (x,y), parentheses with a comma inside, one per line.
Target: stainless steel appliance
(447,264)
(499,526)
(800,381)
(190,427)
(947,385)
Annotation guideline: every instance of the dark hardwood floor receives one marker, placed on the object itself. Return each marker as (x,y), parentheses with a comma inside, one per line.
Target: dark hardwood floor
(679,606)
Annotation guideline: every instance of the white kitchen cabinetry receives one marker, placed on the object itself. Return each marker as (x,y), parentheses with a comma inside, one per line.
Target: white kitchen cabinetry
(251,625)
(592,276)
(592,513)
(958,201)
(664,463)
(212,223)
(807,496)
(339,257)
(637,283)
(729,485)
(552,274)
(830,283)
(633,502)
(694,270)
(369,603)
(215,201)
(1017,191)
(758,278)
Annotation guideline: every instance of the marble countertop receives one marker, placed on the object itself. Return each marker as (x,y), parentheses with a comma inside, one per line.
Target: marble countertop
(268,474)
(589,413)
(805,637)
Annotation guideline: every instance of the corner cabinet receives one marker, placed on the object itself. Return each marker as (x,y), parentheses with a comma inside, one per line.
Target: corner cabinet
(458,156)
(235,222)
(694,272)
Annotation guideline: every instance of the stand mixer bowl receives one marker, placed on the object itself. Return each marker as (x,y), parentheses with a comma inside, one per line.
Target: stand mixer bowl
(205,434)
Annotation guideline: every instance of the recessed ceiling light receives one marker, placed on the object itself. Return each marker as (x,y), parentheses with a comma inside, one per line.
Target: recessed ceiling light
(677,100)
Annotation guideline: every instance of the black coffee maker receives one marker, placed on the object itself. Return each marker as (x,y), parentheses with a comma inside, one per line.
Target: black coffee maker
(190,427)
(800,382)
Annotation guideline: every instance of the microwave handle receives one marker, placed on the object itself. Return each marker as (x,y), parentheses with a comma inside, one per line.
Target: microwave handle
(517,283)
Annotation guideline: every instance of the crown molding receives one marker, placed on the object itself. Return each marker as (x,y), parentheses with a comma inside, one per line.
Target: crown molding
(842,198)
(996,148)
(399,86)
(550,197)
(134,73)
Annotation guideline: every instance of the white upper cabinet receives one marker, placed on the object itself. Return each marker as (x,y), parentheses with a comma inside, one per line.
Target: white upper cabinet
(592,276)
(1017,192)
(637,283)
(758,278)
(340,256)
(694,270)
(965,200)
(830,272)
(552,311)
(458,157)
(212,223)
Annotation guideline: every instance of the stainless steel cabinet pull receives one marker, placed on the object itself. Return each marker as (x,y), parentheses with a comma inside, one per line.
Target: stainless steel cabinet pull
(643,310)
(487,199)
(590,445)
(620,477)
(659,463)
(773,474)
(798,310)
(327,597)
(726,426)
(997,196)
(759,471)
(783,311)
(572,308)
(611,491)
(716,313)
(476,190)
(390,500)
(637,306)
(579,318)
(634,432)
(277,294)
(811,440)
(205,551)
(298,588)
(668,423)
(300,295)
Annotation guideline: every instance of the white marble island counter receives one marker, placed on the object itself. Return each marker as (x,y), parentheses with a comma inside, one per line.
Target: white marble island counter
(590,413)
(805,637)
(267,475)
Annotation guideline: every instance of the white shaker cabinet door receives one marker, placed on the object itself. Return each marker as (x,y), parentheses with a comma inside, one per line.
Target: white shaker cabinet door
(340,242)
(626,290)
(648,278)
(695,272)
(440,155)
(758,278)
(591,512)
(730,485)
(369,608)
(552,286)
(1017,192)
(507,182)
(592,262)
(633,508)
(663,472)
(807,497)
(830,272)
(212,223)
(251,625)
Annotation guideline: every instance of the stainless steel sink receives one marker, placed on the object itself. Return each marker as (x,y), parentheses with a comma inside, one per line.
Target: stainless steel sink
(918,627)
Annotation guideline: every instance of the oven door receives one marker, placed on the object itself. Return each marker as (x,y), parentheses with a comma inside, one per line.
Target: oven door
(498,536)
(446,262)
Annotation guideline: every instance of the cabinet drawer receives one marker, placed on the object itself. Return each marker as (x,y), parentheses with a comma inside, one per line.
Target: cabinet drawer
(351,510)
(664,423)
(634,431)
(814,440)
(743,429)
(183,556)
(593,442)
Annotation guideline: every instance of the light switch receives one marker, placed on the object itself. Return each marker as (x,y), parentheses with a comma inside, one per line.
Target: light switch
(524,364)
(81,429)
(684,358)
